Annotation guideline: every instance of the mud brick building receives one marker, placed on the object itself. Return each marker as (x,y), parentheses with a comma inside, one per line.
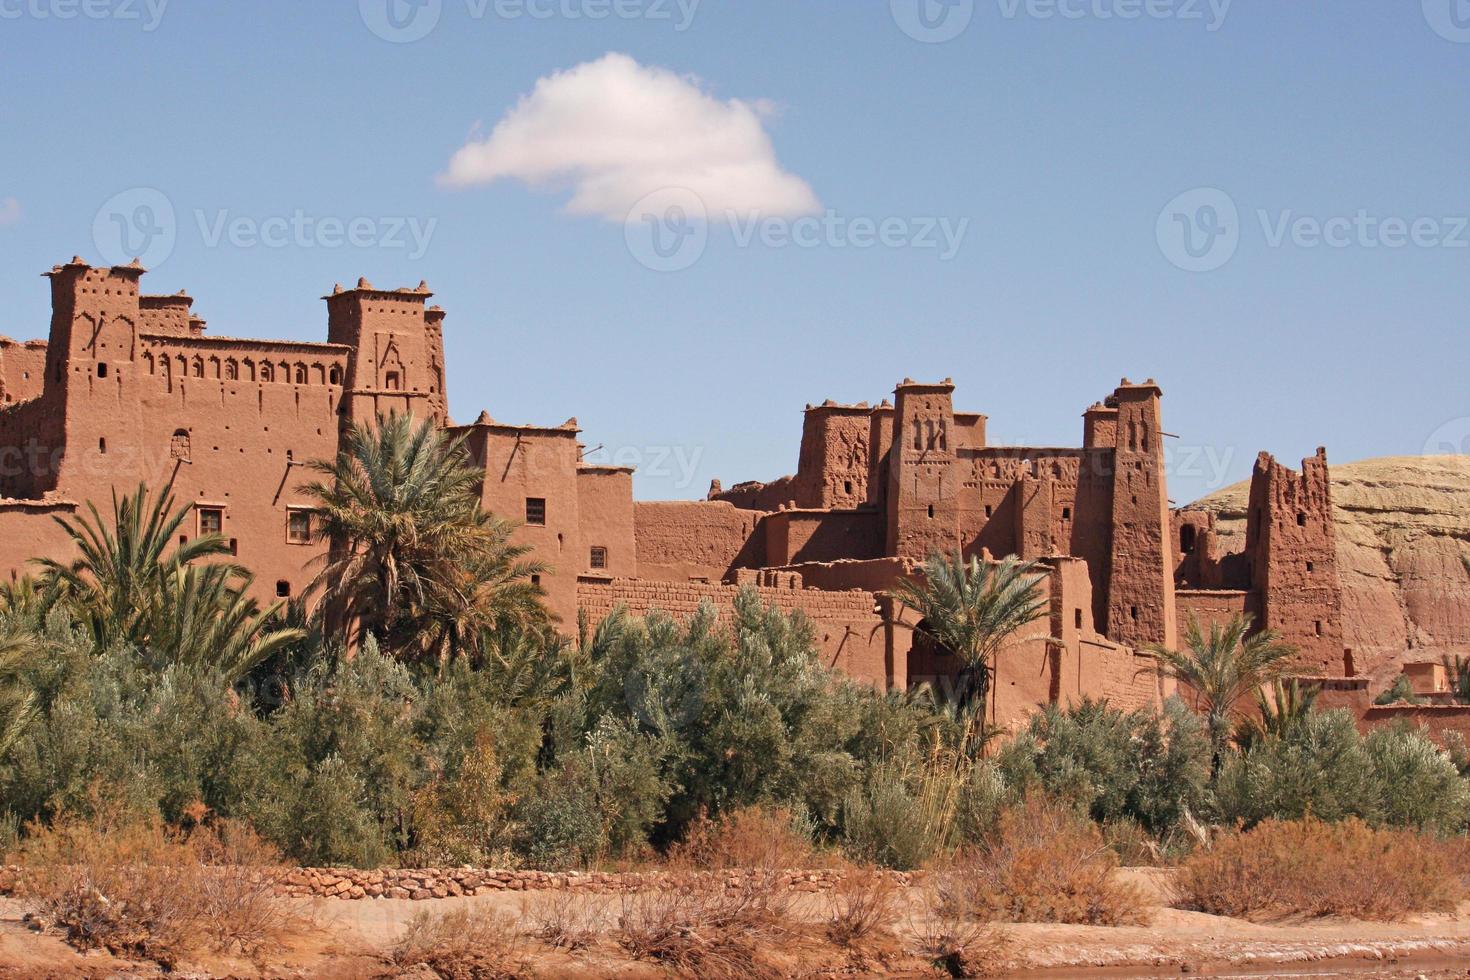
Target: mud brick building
(131,388)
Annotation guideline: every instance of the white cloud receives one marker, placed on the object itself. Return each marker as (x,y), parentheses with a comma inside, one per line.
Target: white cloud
(614,131)
(9,211)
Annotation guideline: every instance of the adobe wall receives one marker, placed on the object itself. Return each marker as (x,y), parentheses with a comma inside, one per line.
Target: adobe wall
(28,530)
(22,370)
(798,536)
(850,635)
(757,496)
(680,540)
(605,510)
(1210,606)
(524,464)
(1437,719)
(873,575)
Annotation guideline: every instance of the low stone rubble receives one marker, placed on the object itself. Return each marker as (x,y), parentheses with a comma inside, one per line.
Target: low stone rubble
(424,884)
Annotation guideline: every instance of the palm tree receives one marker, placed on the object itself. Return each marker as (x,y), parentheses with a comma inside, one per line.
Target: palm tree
(1224,666)
(414,559)
(16,700)
(1283,713)
(205,618)
(131,584)
(114,583)
(974,609)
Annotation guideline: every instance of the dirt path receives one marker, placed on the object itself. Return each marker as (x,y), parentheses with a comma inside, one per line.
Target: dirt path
(346,939)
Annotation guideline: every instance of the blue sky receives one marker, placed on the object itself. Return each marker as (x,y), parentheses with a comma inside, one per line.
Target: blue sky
(1075,146)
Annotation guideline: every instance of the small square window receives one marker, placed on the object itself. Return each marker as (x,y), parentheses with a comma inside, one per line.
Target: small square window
(599,559)
(1077,618)
(536,511)
(283,589)
(211,520)
(298,527)
(1066,513)
(1311,566)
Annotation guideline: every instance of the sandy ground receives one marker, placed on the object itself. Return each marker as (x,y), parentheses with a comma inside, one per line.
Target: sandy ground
(346,939)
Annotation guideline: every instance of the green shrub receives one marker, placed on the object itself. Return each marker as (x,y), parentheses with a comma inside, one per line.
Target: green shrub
(1325,768)
(1118,765)
(1321,769)
(1419,784)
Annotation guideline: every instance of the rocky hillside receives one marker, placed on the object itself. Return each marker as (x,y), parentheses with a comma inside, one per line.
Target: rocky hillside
(1403,531)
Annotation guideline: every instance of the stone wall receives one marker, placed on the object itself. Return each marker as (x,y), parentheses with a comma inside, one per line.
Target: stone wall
(426,884)
(423,885)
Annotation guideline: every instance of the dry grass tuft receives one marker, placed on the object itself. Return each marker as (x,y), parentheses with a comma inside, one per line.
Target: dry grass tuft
(764,838)
(1308,867)
(1045,863)
(141,888)
(860,907)
(564,920)
(703,930)
(954,943)
(467,942)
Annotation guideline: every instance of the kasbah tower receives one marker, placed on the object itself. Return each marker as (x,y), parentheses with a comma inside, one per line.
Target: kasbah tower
(130,388)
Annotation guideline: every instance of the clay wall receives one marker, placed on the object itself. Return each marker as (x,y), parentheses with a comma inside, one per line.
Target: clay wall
(1210,606)
(32,439)
(758,496)
(874,575)
(680,540)
(170,316)
(1438,720)
(797,536)
(28,530)
(531,476)
(605,509)
(849,633)
(22,370)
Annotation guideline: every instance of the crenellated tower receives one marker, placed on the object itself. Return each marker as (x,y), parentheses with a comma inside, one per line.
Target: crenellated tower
(1292,542)
(923,480)
(396,362)
(1140,607)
